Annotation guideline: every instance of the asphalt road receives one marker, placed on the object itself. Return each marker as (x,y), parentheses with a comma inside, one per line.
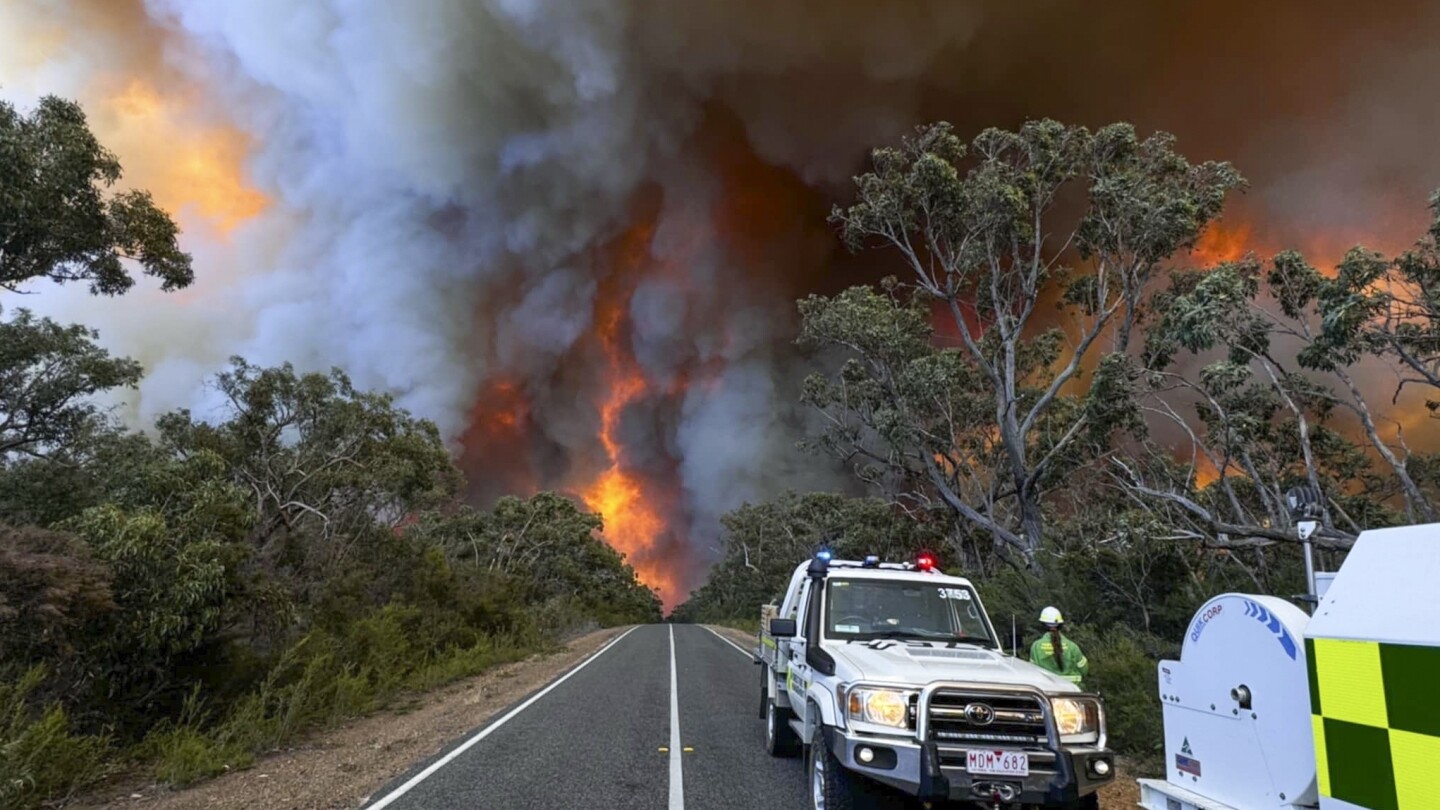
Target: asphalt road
(663,717)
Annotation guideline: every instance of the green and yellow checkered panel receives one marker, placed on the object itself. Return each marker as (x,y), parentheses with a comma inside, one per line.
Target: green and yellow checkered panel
(1376,719)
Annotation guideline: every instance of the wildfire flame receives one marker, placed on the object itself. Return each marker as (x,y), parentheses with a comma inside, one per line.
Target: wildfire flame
(633,526)
(1223,242)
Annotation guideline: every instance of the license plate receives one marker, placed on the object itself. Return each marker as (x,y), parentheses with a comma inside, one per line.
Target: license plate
(997,763)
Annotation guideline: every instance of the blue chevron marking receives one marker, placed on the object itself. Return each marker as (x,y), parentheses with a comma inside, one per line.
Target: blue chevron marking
(1272,623)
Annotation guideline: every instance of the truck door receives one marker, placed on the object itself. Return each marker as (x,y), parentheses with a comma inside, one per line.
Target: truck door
(797,675)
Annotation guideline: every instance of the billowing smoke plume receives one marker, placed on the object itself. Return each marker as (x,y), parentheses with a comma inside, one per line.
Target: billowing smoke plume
(570,231)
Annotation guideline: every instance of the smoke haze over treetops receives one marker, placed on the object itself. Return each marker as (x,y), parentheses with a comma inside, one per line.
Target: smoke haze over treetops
(542,223)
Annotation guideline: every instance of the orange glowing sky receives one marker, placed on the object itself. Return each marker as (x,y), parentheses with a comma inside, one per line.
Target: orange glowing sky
(1223,241)
(189,166)
(109,57)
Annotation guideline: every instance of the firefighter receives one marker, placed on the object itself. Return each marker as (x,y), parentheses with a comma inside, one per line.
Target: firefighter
(1057,653)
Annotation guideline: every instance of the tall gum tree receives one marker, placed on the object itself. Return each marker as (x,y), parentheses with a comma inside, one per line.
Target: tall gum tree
(1031,251)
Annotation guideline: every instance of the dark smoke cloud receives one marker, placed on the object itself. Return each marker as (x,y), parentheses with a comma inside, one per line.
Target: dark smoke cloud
(449,179)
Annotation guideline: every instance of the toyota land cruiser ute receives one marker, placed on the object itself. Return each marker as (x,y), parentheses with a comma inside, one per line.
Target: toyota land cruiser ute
(892,674)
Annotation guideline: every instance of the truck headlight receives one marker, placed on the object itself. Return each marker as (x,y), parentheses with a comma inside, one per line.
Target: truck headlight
(883,707)
(1077,719)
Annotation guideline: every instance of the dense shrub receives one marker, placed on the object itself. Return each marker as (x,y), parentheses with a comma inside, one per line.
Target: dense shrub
(202,597)
(1123,670)
(55,599)
(320,680)
(41,758)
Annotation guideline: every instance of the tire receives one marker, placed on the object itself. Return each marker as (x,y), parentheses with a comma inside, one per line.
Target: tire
(764,690)
(1091,802)
(780,739)
(831,786)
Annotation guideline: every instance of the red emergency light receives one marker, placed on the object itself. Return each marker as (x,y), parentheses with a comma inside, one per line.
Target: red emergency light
(925,562)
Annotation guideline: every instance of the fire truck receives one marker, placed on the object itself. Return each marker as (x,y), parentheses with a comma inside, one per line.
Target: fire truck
(890,677)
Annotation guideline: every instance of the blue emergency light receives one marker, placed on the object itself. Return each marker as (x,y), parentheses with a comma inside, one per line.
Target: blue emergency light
(820,565)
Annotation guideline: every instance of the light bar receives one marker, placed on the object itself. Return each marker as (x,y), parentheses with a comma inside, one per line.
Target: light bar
(925,562)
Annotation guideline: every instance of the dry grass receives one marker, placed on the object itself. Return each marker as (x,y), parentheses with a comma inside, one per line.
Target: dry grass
(341,767)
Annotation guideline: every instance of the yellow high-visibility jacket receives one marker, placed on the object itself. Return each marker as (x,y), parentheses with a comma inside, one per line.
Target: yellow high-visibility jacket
(1072,665)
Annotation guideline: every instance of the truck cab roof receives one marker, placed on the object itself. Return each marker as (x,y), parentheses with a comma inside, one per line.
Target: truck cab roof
(852,569)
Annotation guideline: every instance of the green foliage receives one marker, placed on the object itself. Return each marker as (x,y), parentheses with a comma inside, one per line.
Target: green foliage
(321,680)
(320,463)
(48,373)
(764,542)
(1123,671)
(56,222)
(41,760)
(169,586)
(550,547)
(298,559)
(987,428)
(55,599)
(96,465)
(42,491)
(751,626)
(1267,417)
(184,755)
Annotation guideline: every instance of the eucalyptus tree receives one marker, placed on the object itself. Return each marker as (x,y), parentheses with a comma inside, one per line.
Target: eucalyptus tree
(1025,262)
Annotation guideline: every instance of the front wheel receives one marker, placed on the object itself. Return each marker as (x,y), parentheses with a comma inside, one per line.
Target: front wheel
(831,786)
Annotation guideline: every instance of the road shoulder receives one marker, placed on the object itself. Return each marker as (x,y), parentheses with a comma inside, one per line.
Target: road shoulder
(746,641)
(342,767)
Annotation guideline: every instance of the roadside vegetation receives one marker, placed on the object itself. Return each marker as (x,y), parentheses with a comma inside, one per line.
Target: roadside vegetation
(1048,397)
(182,599)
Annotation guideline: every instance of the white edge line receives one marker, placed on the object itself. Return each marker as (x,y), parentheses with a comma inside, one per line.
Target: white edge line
(485,732)
(677,781)
(742,650)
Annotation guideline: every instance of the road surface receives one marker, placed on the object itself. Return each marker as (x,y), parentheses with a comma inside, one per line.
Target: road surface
(665,716)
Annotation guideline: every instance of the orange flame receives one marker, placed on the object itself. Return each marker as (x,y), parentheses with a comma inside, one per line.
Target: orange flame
(499,428)
(1223,243)
(632,525)
(625,500)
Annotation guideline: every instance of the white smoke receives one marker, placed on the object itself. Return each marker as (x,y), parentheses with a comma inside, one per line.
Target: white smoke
(441,172)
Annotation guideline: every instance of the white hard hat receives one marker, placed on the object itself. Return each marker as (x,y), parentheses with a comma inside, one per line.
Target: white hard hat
(1051,615)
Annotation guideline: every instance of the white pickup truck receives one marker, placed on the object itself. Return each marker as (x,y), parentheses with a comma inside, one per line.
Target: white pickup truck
(891,673)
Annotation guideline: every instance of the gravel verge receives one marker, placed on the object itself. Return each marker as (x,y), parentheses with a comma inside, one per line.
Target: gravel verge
(339,768)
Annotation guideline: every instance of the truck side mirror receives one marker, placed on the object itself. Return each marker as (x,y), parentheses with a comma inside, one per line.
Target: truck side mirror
(782,628)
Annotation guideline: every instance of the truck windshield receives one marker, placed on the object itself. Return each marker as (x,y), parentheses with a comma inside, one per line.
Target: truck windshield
(865,609)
